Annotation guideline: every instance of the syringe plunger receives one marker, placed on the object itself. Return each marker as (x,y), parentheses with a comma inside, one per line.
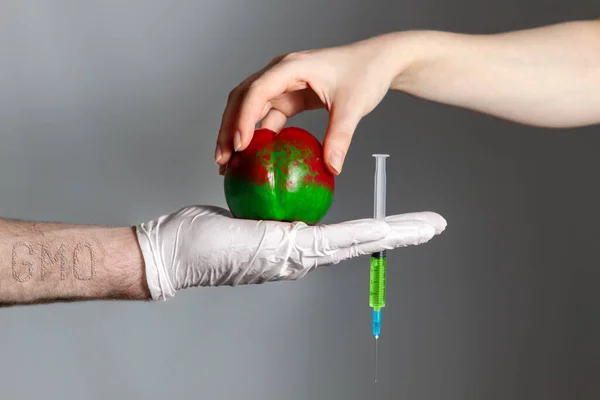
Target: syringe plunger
(380,184)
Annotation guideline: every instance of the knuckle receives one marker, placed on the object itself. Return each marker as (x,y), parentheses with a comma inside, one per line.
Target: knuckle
(254,85)
(278,59)
(256,88)
(292,56)
(233,94)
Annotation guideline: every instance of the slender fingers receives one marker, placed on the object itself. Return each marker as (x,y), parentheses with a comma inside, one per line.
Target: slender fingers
(344,117)
(273,116)
(274,120)
(273,83)
(286,106)
(227,140)
(248,103)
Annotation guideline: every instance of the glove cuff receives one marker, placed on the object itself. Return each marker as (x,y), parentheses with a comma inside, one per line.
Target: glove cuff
(156,274)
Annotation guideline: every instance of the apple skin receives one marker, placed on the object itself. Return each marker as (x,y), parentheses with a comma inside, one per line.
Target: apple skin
(281,177)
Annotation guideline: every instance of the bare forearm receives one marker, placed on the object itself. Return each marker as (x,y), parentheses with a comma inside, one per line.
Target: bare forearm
(46,262)
(548,76)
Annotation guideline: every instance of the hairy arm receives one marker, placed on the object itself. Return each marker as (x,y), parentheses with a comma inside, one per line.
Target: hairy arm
(547,76)
(49,262)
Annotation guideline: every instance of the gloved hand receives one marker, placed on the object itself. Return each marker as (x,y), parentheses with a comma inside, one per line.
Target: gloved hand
(206,246)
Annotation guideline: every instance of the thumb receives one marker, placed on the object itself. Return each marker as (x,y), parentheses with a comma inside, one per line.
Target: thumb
(344,117)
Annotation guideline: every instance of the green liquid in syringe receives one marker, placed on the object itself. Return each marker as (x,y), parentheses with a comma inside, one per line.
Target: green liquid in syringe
(377,281)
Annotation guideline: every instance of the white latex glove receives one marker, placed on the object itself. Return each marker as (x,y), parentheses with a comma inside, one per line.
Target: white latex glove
(205,246)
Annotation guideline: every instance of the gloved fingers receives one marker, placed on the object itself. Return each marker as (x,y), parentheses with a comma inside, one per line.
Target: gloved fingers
(322,239)
(433,219)
(345,234)
(214,210)
(402,234)
(201,210)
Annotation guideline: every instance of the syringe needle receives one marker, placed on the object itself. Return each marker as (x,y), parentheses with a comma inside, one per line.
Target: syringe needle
(376,360)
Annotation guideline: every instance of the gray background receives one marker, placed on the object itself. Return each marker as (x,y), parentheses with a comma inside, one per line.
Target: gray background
(108,114)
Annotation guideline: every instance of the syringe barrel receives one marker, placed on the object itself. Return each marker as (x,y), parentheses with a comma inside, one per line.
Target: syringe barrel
(380,186)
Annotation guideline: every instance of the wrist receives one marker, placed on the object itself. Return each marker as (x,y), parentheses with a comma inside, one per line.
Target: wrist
(127,274)
(411,52)
(156,276)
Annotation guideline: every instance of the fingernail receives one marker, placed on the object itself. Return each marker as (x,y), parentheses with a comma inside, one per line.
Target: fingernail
(336,159)
(218,154)
(237,141)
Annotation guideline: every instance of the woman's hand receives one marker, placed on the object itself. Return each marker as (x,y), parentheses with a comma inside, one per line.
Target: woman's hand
(205,246)
(547,76)
(348,81)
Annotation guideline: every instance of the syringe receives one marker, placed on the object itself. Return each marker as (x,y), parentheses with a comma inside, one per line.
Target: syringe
(378,260)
